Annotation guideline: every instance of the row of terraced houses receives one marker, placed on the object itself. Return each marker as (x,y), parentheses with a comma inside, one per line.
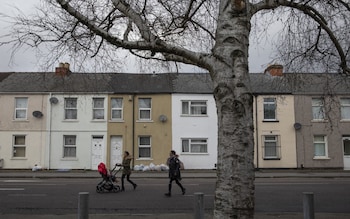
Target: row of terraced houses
(67,120)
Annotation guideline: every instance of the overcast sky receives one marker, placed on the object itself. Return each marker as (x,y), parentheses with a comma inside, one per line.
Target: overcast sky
(25,61)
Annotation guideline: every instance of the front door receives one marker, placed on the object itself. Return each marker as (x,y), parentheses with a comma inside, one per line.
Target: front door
(116,150)
(97,155)
(346,146)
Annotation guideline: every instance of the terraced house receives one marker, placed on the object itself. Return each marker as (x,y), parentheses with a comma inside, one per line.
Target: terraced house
(67,120)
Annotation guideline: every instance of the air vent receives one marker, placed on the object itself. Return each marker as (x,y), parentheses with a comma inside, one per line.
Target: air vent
(162,118)
(297,126)
(37,114)
(53,100)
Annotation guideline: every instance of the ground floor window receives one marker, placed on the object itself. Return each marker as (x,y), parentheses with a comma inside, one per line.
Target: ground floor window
(271,147)
(144,146)
(320,146)
(194,145)
(69,146)
(19,146)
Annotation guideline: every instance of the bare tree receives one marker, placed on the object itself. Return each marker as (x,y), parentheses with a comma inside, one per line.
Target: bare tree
(211,34)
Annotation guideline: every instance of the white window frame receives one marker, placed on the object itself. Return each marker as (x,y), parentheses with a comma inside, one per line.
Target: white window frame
(19,109)
(145,108)
(98,112)
(69,148)
(194,108)
(345,108)
(320,142)
(269,105)
(116,108)
(267,141)
(194,145)
(142,146)
(70,108)
(16,147)
(318,110)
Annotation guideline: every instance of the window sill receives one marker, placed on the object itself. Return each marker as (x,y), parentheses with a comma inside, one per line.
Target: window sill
(319,120)
(321,158)
(69,159)
(70,120)
(270,121)
(19,158)
(201,115)
(271,158)
(20,120)
(116,120)
(185,153)
(139,121)
(98,120)
(145,158)
(345,120)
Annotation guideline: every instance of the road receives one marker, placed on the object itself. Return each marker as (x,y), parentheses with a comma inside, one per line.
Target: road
(60,196)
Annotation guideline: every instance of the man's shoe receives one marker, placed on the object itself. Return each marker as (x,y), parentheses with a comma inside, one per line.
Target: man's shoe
(135,186)
(183,191)
(168,194)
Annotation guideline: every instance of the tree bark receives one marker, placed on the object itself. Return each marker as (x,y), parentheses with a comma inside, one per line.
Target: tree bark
(234,196)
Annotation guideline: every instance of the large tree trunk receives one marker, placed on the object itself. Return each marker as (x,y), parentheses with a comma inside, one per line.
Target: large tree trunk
(234,197)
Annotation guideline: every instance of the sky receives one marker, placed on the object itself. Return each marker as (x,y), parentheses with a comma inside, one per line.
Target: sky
(25,60)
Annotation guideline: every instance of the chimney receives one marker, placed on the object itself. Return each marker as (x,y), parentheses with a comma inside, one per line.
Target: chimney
(62,69)
(274,70)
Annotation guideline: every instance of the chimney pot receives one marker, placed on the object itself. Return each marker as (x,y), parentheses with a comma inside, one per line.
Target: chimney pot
(62,69)
(274,70)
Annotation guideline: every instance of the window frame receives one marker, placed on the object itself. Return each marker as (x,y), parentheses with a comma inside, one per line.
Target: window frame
(73,109)
(324,142)
(117,108)
(69,146)
(144,146)
(194,142)
(24,109)
(320,105)
(344,106)
(192,105)
(95,109)
(276,148)
(15,146)
(145,109)
(266,108)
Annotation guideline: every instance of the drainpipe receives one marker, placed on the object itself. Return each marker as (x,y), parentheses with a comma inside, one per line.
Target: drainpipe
(49,133)
(133,131)
(256,131)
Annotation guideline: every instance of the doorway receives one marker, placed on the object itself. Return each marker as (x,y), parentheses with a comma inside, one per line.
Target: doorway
(116,150)
(346,146)
(97,149)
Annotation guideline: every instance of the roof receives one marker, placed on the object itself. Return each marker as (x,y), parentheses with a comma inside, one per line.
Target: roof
(195,83)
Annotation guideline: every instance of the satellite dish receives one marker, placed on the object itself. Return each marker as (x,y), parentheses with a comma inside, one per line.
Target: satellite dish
(162,118)
(53,100)
(37,114)
(297,126)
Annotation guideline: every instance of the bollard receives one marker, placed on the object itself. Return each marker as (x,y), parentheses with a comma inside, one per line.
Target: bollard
(83,206)
(198,205)
(308,205)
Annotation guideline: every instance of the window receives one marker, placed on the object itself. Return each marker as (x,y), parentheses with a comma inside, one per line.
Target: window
(144,147)
(70,108)
(194,146)
(320,146)
(69,147)
(318,109)
(194,107)
(271,147)
(345,108)
(116,108)
(19,146)
(270,109)
(145,108)
(21,107)
(98,108)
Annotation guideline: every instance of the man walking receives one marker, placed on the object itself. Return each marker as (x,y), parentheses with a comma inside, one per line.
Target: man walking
(174,172)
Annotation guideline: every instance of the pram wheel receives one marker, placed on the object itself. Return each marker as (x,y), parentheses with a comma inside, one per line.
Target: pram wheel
(116,188)
(99,189)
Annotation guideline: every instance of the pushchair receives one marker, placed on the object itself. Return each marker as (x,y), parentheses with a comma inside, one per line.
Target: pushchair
(109,179)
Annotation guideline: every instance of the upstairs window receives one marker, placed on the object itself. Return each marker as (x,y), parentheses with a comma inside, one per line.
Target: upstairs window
(98,108)
(194,107)
(318,112)
(193,145)
(19,146)
(21,108)
(345,108)
(70,108)
(116,108)
(270,109)
(69,147)
(145,107)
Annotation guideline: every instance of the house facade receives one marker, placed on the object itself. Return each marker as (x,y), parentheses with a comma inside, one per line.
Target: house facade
(65,120)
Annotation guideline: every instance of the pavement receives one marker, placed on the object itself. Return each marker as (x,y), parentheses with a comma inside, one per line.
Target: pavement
(262,173)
